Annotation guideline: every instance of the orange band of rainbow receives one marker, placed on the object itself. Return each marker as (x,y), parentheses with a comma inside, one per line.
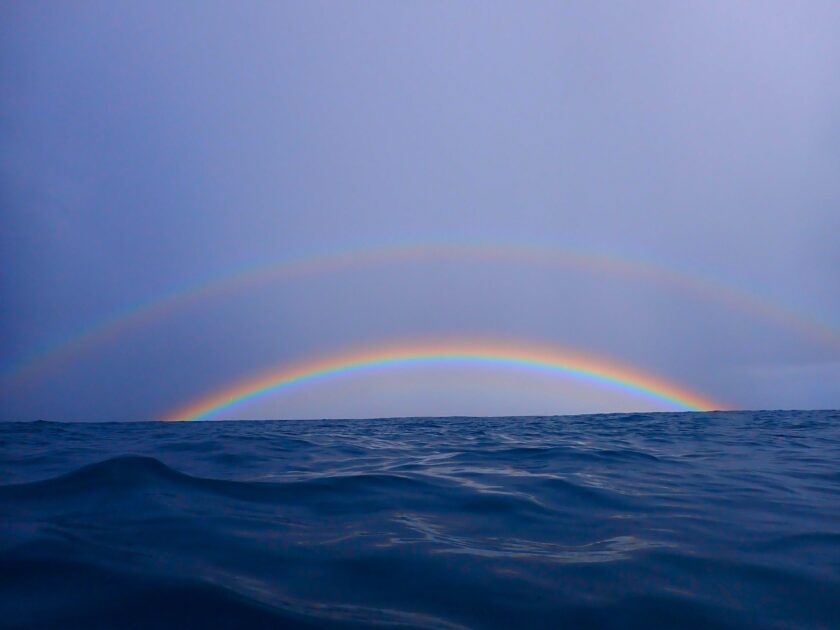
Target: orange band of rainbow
(563,363)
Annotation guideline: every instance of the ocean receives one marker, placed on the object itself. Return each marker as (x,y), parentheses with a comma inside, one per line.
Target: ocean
(683,520)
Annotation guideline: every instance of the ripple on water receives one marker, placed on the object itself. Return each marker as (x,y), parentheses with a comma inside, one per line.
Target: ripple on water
(621,520)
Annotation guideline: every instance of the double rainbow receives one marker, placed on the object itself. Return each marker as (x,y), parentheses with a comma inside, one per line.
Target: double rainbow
(506,355)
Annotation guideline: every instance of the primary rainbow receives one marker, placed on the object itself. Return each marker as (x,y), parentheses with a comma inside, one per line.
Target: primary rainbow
(559,362)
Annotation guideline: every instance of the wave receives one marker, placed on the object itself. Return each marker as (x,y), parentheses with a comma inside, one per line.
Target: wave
(132,473)
(666,520)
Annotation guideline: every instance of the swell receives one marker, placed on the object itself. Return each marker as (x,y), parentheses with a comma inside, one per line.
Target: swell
(140,476)
(133,472)
(648,520)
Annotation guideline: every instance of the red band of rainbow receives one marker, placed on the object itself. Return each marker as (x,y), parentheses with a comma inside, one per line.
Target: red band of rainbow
(563,363)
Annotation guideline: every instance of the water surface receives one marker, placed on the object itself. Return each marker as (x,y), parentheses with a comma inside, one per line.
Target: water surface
(727,520)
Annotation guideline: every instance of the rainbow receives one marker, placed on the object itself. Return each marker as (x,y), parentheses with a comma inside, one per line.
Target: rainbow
(553,361)
(223,283)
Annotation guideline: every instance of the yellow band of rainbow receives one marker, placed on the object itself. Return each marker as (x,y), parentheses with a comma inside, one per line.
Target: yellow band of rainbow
(231,280)
(559,362)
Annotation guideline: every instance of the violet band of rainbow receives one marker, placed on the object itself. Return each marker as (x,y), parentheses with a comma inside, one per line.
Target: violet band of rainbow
(230,280)
(562,363)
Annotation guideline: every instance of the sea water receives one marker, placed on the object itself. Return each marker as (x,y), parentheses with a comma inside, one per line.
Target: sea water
(706,520)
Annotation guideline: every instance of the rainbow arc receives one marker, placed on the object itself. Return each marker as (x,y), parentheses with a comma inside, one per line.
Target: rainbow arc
(562,363)
(231,280)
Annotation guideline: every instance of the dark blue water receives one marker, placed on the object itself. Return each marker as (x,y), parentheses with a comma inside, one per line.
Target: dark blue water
(728,520)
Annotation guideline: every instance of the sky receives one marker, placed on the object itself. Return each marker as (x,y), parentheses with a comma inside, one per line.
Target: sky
(654,184)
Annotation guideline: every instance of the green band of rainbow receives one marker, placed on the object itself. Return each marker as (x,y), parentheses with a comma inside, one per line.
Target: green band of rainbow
(563,363)
(238,278)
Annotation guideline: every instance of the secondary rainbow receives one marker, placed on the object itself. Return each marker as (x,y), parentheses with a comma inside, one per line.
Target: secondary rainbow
(240,278)
(560,362)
